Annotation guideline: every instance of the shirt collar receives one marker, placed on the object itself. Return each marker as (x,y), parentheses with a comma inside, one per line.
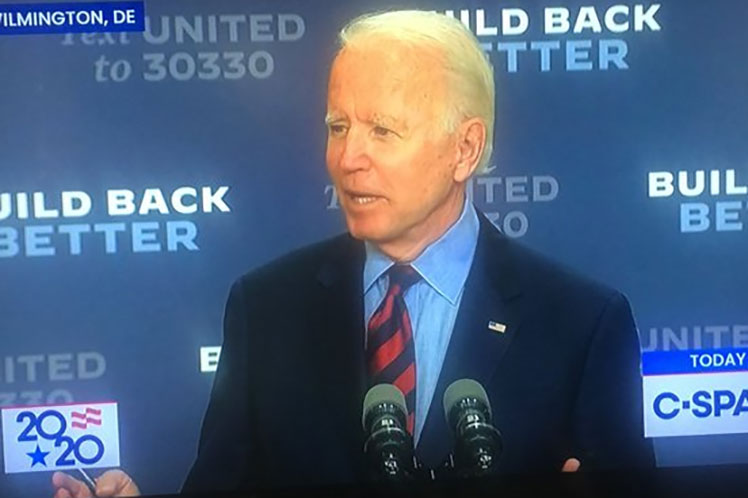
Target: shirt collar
(444,264)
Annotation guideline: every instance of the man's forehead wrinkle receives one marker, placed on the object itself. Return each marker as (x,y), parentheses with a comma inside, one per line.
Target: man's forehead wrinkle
(390,84)
(340,102)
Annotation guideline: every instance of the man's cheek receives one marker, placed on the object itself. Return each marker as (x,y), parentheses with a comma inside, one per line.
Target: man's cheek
(332,170)
(332,156)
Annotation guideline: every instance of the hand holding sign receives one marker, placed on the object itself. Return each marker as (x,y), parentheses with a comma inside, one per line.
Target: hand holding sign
(112,483)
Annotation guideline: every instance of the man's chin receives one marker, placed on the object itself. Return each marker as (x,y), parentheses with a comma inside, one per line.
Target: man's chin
(368,233)
(365,235)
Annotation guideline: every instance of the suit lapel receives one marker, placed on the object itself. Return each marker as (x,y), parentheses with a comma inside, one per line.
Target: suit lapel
(343,365)
(492,294)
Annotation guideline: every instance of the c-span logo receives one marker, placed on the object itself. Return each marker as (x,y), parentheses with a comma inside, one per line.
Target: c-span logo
(60,437)
(698,392)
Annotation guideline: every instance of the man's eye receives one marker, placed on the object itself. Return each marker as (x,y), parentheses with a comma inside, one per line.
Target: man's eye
(381,131)
(337,129)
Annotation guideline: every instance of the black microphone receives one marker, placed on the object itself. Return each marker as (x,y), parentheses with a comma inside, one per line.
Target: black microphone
(388,446)
(478,443)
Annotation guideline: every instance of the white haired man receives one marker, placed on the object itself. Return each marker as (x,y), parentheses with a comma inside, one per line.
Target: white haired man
(420,292)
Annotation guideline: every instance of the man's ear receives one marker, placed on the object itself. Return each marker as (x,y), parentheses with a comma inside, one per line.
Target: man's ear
(471,140)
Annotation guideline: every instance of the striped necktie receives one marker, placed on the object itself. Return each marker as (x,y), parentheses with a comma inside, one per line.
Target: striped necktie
(390,350)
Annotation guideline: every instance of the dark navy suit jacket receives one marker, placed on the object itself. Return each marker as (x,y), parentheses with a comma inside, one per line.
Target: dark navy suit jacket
(563,379)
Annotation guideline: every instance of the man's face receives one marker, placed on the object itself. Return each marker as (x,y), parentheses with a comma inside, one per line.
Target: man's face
(388,155)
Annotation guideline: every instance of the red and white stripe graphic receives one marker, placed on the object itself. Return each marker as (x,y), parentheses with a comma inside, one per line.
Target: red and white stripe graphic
(91,416)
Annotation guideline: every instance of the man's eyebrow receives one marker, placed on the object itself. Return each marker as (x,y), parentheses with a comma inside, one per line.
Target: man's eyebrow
(388,121)
(332,117)
(377,119)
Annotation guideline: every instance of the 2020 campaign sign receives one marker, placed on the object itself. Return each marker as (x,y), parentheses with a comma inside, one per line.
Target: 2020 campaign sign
(45,438)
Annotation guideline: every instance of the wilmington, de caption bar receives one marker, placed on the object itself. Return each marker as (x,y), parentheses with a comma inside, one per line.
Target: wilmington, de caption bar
(71,17)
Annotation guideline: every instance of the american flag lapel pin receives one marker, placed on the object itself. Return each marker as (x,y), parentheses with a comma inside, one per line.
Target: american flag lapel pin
(497,327)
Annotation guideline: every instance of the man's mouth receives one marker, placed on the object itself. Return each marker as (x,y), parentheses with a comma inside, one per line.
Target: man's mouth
(362,199)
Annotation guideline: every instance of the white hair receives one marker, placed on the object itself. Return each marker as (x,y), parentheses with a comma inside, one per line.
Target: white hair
(469,73)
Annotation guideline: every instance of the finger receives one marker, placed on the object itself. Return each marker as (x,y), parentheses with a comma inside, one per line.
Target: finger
(571,465)
(62,493)
(115,483)
(130,489)
(74,487)
(107,484)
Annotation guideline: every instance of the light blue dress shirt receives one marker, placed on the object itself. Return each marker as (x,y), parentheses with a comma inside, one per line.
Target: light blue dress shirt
(432,302)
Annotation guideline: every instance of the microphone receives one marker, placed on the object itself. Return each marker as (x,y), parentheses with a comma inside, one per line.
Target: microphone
(388,446)
(468,412)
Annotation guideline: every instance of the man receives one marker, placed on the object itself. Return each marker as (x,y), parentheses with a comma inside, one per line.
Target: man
(422,291)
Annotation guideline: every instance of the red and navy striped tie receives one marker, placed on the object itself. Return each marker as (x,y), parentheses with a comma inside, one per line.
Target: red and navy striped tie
(390,350)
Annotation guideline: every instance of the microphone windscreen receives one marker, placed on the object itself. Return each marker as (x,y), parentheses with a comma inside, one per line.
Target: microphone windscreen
(383,393)
(461,389)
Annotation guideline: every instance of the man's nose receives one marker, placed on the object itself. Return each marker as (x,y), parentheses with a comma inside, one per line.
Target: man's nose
(355,154)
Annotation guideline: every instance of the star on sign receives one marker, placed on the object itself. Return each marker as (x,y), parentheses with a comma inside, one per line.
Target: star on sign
(38,456)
